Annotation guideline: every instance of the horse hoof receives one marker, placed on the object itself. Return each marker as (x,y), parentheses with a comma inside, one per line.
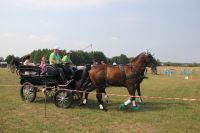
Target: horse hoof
(122,106)
(107,101)
(136,108)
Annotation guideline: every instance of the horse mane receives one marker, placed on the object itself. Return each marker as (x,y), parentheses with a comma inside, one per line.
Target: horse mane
(136,58)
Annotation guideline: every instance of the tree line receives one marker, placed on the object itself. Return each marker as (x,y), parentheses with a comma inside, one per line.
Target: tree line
(78,57)
(180,64)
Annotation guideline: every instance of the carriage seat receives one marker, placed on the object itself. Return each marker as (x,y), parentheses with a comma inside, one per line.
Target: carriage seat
(29,70)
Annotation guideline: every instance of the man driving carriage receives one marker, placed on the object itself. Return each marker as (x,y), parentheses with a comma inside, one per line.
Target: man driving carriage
(55,60)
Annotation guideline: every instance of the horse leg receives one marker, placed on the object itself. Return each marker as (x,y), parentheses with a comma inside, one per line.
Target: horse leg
(84,99)
(106,96)
(131,90)
(135,107)
(139,93)
(125,104)
(85,95)
(99,98)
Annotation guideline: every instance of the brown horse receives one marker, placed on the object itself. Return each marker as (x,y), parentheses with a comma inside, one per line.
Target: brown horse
(127,76)
(153,66)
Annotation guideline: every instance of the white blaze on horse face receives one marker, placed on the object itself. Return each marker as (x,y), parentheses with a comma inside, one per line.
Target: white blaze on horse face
(127,102)
(101,106)
(84,101)
(134,104)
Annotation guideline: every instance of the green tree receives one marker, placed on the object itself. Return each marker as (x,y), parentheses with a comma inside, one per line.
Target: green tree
(1,59)
(158,62)
(9,58)
(98,56)
(123,59)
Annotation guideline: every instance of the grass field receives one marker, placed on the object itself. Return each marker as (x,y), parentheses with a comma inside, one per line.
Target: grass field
(155,116)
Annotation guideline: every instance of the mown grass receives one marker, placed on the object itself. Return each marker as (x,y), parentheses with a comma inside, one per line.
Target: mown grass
(155,116)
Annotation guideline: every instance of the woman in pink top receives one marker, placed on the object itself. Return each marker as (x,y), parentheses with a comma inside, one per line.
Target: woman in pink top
(43,65)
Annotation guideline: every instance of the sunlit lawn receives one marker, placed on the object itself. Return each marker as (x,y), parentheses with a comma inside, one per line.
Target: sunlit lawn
(156,115)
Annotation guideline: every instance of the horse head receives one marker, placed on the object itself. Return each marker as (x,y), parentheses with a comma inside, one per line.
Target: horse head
(15,65)
(144,59)
(149,59)
(15,62)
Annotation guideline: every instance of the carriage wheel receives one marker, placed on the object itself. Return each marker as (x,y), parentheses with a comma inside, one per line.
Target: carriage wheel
(28,92)
(63,99)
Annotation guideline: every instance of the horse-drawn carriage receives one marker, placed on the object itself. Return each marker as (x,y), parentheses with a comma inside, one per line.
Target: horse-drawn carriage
(33,81)
(85,81)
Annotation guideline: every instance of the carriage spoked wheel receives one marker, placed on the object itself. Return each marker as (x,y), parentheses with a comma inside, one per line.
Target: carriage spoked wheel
(28,92)
(63,99)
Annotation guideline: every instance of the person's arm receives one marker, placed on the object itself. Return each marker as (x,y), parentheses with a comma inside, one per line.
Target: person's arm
(69,60)
(60,60)
(53,61)
(26,62)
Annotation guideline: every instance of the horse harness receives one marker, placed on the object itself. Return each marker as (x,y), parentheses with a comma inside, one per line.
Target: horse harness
(122,73)
(137,74)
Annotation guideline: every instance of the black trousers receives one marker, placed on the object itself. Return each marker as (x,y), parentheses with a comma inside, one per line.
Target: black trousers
(61,69)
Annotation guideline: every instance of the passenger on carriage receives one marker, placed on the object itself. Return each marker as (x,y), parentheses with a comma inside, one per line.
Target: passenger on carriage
(55,60)
(67,61)
(43,65)
(27,62)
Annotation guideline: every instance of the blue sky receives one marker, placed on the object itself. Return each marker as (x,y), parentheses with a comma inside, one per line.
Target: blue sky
(168,28)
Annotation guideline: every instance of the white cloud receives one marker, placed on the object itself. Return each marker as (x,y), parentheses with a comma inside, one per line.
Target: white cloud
(7,35)
(43,22)
(64,3)
(33,37)
(68,4)
(114,38)
(41,38)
